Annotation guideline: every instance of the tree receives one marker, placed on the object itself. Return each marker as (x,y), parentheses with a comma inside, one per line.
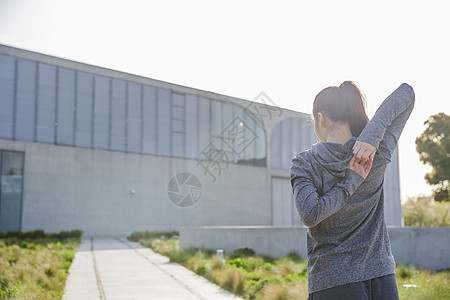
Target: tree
(433,147)
(425,212)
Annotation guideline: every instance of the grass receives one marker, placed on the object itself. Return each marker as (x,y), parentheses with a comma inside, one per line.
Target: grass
(434,286)
(255,277)
(35,265)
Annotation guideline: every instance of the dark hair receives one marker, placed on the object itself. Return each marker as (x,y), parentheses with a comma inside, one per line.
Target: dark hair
(344,103)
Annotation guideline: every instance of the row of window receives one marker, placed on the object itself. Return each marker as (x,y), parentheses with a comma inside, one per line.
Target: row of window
(56,105)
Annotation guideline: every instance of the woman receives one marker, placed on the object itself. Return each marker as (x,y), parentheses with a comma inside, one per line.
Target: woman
(338,190)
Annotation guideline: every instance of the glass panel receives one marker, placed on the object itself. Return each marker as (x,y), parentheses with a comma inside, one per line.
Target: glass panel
(284,211)
(46,104)
(7,82)
(276,146)
(134,117)
(101,113)
(149,119)
(289,137)
(83,133)
(191,134)
(247,148)
(164,122)
(286,144)
(204,123)
(178,144)
(178,100)
(178,112)
(26,100)
(296,138)
(177,125)
(118,110)
(216,123)
(260,147)
(11,190)
(65,129)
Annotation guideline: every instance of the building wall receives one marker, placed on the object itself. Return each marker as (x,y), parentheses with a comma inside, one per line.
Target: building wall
(74,188)
(104,150)
(422,247)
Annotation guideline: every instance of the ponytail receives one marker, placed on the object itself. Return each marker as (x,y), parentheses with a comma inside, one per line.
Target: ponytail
(345,104)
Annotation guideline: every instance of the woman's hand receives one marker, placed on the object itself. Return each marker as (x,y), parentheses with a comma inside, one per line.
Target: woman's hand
(363,152)
(361,168)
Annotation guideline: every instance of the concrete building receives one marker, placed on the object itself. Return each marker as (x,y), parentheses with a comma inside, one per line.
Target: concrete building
(109,153)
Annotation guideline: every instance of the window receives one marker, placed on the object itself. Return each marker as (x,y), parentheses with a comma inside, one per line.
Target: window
(102,91)
(134,117)
(84,103)
(11,167)
(118,110)
(56,105)
(289,137)
(46,104)
(7,87)
(178,125)
(149,120)
(25,100)
(65,127)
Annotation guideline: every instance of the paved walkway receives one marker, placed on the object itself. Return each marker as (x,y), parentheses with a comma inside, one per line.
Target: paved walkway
(115,268)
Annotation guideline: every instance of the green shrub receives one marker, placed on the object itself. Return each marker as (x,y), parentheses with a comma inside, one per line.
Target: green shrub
(258,285)
(137,235)
(10,289)
(68,255)
(13,237)
(242,252)
(295,257)
(405,271)
(239,263)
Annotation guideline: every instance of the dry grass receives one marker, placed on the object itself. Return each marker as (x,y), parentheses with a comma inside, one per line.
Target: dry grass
(434,286)
(231,279)
(259,278)
(34,268)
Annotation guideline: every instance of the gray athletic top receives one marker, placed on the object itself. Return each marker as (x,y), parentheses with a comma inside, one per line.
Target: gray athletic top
(347,239)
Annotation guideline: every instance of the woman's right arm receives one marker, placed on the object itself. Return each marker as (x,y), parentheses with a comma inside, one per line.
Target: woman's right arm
(313,208)
(386,126)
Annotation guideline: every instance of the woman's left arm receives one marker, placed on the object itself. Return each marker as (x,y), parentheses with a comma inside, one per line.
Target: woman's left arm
(383,131)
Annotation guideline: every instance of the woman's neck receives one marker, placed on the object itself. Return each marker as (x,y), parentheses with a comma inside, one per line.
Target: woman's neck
(339,134)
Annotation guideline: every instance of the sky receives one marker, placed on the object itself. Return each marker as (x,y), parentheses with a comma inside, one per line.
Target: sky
(288,49)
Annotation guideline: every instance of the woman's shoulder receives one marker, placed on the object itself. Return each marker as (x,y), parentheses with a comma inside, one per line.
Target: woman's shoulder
(303,155)
(301,161)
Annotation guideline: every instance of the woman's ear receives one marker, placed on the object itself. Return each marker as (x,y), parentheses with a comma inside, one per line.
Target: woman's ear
(321,119)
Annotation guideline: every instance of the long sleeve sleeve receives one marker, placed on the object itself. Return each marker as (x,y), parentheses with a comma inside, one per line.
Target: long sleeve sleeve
(386,126)
(312,208)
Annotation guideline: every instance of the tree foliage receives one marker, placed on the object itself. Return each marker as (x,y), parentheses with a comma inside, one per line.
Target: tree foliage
(424,212)
(433,147)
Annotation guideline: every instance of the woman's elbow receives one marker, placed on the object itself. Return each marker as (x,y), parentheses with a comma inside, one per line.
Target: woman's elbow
(309,219)
(409,91)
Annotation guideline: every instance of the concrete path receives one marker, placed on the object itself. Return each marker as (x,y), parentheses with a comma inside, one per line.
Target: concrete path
(115,268)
